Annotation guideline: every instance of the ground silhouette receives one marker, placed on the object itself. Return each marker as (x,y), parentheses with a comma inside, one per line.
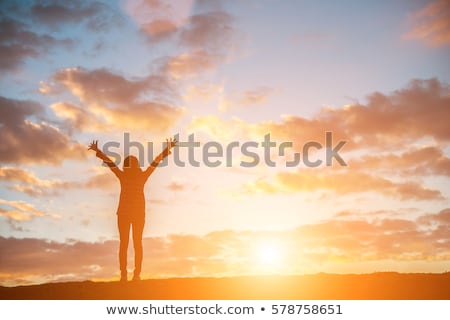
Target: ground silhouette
(385,285)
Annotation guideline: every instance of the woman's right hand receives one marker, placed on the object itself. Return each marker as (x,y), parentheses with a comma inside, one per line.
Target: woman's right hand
(93,145)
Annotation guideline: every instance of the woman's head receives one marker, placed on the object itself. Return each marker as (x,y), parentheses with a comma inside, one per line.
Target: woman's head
(131,162)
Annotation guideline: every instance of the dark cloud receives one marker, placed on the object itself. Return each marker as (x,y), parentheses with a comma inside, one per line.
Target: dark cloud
(212,31)
(96,15)
(18,42)
(25,140)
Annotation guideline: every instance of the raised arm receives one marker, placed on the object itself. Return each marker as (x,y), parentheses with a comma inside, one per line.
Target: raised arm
(170,144)
(104,157)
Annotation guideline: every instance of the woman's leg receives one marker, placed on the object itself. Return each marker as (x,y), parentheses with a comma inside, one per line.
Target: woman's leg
(123,223)
(138,229)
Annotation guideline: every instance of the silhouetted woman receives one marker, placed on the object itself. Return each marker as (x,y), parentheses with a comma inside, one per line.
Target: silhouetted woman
(131,209)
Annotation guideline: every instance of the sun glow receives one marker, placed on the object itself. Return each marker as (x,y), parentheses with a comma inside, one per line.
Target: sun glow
(269,256)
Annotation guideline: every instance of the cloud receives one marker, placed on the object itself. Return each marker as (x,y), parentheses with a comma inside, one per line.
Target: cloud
(206,40)
(442,217)
(104,86)
(176,186)
(192,64)
(102,180)
(114,101)
(158,19)
(18,42)
(27,141)
(218,128)
(202,92)
(19,210)
(341,183)
(385,121)
(25,181)
(22,36)
(159,29)
(203,39)
(212,31)
(28,183)
(76,117)
(428,160)
(306,248)
(96,15)
(431,24)
(384,137)
(251,97)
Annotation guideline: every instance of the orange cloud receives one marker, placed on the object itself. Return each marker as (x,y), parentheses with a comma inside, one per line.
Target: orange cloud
(158,19)
(432,24)
(218,128)
(202,92)
(393,123)
(176,186)
(347,182)
(251,97)
(159,28)
(28,183)
(192,64)
(385,121)
(25,141)
(103,181)
(113,101)
(19,210)
(76,117)
(420,161)
(350,239)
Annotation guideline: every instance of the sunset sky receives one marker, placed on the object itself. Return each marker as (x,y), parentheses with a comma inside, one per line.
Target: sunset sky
(376,74)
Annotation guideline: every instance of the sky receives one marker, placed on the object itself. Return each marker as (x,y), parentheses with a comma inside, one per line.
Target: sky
(375,75)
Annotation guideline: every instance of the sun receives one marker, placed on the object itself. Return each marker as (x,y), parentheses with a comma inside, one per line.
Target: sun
(269,254)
